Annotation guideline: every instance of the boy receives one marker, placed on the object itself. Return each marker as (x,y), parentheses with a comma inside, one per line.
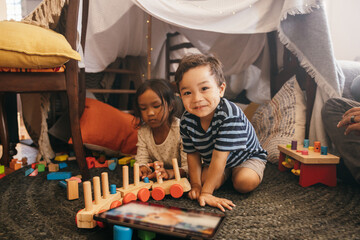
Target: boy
(216,132)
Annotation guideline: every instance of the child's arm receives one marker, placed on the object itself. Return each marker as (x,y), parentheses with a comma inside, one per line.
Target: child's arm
(142,155)
(194,165)
(214,176)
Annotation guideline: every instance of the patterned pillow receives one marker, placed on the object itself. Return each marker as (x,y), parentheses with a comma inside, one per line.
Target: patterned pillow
(281,120)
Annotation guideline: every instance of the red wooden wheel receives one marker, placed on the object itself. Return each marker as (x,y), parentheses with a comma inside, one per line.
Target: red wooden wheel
(143,194)
(115,204)
(158,193)
(176,190)
(129,197)
(101,224)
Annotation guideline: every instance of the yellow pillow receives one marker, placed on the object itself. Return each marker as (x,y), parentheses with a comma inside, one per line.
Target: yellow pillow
(28,46)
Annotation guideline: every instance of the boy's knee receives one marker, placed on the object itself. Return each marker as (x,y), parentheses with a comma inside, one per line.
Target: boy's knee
(247,182)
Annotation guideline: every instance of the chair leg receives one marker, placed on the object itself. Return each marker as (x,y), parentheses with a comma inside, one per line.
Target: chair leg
(4,133)
(76,134)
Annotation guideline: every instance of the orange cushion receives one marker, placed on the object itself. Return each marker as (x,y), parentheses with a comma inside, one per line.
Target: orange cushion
(105,128)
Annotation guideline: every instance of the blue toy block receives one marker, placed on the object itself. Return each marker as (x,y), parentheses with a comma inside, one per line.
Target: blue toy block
(112,166)
(63,184)
(306,143)
(62,165)
(29,171)
(112,189)
(324,150)
(58,175)
(146,180)
(146,235)
(122,233)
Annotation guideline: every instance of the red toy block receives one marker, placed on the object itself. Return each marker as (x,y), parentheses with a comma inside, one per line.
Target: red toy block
(90,161)
(311,174)
(280,165)
(2,175)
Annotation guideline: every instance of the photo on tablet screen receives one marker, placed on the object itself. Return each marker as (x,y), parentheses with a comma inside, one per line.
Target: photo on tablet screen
(168,220)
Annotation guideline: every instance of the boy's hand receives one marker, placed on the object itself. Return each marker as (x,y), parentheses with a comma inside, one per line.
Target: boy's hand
(144,172)
(211,200)
(195,191)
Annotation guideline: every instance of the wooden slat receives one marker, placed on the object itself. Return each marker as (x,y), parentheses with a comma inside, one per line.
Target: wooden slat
(115,91)
(32,82)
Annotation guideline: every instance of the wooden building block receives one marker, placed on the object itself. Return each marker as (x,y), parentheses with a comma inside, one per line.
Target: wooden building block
(72,189)
(53,167)
(58,175)
(62,158)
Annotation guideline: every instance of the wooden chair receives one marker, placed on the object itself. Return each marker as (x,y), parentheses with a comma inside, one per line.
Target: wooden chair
(71,81)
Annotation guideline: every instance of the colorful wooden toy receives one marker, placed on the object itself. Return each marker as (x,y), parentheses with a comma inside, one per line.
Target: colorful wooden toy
(139,189)
(117,196)
(84,218)
(72,189)
(53,167)
(306,143)
(317,146)
(175,187)
(122,233)
(124,160)
(312,168)
(58,175)
(61,158)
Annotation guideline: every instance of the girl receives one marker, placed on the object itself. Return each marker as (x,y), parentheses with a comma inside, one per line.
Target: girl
(159,134)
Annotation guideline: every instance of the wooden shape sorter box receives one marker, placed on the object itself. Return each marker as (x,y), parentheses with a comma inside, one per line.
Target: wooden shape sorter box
(314,167)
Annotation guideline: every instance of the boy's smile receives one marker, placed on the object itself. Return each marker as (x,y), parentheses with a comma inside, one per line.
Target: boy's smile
(200,92)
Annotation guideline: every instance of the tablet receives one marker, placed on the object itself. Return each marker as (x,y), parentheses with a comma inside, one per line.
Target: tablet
(179,222)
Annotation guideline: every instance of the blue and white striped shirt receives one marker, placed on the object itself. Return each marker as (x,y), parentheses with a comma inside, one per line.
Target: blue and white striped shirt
(229,131)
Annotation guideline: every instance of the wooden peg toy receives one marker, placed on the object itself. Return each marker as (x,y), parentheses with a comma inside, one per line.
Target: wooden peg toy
(176,187)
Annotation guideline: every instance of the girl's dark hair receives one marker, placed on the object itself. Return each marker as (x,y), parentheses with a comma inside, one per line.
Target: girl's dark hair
(195,60)
(164,90)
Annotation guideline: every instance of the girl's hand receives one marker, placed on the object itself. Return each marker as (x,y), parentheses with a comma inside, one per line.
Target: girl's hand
(194,192)
(159,168)
(144,172)
(351,120)
(211,200)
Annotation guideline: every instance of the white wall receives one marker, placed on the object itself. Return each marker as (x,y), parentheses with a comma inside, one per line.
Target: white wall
(2,10)
(344,21)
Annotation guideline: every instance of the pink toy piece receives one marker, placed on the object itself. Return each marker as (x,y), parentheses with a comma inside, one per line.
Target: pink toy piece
(75,178)
(304,152)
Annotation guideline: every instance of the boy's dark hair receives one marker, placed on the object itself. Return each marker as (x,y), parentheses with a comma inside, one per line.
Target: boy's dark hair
(164,90)
(195,60)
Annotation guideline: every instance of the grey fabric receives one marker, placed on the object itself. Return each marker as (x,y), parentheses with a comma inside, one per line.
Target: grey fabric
(307,35)
(348,147)
(351,70)
(355,88)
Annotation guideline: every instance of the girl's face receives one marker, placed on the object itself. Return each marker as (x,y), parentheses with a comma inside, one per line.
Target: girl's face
(153,112)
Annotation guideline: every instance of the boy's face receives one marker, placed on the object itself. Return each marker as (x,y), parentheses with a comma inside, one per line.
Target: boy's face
(200,92)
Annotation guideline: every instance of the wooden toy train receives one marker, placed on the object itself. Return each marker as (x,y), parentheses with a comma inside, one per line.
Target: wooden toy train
(117,196)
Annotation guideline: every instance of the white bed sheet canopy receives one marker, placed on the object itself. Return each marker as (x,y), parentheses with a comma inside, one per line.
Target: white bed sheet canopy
(233,30)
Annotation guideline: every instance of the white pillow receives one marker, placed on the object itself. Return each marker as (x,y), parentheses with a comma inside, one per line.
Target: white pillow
(281,120)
